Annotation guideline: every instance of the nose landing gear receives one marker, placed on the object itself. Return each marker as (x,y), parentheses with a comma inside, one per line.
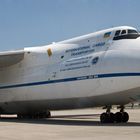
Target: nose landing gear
(119,117)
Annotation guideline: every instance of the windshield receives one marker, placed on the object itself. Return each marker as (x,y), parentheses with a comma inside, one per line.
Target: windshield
(126,34)
(132,32)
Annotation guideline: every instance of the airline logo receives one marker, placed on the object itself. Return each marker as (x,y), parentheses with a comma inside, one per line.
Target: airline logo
(107,35)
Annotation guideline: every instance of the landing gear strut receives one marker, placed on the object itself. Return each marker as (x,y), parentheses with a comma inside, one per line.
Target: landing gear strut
(38,115)
(119,117)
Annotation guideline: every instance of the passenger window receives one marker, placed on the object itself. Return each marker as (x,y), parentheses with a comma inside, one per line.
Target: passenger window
(117,33)
(123,32)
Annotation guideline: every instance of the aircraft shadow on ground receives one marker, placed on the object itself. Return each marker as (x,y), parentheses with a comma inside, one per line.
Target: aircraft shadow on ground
(71,120)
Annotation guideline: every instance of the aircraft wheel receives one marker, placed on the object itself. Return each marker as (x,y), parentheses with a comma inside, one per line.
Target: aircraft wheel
(38,115)
(111,117)
(48,114)
(19,116)
(104,118)
(118,117)
(24,116)
(107,118)
(125,117)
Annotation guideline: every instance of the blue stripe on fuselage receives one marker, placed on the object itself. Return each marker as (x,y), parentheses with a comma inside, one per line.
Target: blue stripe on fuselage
(70,79)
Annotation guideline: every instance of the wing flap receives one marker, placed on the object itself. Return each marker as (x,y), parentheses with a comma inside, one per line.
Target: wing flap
(10,58)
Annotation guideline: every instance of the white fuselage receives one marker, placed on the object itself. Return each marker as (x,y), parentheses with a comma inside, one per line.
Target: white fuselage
(88,71)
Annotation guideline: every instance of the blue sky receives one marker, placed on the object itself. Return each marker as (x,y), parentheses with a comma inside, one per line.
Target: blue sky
(27,23)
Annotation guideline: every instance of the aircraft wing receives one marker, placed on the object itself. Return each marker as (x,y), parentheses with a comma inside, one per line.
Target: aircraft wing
(10,58)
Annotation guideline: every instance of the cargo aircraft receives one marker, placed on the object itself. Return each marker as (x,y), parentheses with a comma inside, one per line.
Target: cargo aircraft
(101,69)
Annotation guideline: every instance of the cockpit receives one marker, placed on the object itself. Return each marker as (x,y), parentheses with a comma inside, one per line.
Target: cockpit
(126,34)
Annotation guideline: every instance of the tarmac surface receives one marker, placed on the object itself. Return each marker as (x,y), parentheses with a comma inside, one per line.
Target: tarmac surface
(71,125)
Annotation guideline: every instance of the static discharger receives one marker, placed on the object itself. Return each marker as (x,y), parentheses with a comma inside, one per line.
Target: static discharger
(49,52)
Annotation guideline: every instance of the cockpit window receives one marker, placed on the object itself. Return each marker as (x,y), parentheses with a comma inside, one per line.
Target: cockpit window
(126,34)
(132,32)
(117,33)
(123,32)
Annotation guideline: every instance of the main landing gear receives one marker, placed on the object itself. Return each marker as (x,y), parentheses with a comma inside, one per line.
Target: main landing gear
(38,115)
(119,117)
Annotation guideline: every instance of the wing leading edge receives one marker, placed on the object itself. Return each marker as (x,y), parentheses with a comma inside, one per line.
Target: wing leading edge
(10,58)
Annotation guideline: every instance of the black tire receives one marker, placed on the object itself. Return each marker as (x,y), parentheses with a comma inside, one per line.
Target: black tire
(104,118)
(48,114)
(118,117)
(19,116)
(112,117)
(125,117)
(24,116)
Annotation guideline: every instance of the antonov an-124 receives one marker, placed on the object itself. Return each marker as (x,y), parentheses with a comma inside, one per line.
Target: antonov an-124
(101,69)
